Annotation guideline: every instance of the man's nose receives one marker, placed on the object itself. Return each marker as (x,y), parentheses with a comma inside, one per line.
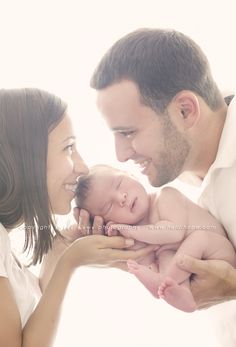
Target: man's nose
(123,147)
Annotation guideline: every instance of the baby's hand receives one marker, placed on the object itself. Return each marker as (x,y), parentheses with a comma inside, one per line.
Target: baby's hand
(110,230)
(126,230)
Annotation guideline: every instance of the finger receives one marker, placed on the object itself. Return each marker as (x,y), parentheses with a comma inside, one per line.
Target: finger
(98,227)
(193,265)
(76,212)
(84,224)
(123,255)
(109,224)
(140,253)
(72,233)
(112,232)
(109,231)
(123,229)
(115,242)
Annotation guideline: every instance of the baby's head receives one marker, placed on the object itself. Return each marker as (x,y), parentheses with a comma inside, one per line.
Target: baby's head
(112,194)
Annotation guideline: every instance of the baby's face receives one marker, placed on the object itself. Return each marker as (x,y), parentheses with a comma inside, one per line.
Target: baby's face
(117,197)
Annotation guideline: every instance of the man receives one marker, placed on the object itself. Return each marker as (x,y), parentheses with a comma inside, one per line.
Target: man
(157,94)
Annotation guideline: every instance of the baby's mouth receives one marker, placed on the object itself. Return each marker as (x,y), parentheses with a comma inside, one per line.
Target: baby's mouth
(133,204)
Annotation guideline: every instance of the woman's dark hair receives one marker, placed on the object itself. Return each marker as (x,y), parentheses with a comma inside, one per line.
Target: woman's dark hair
(26,118)
(161,63)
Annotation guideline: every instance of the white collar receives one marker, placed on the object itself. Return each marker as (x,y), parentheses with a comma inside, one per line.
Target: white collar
(226,154)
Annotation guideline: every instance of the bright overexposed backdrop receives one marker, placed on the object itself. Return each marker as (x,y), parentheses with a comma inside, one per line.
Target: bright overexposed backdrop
(55,45)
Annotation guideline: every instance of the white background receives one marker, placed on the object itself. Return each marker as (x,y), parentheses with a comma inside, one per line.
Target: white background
(55,45)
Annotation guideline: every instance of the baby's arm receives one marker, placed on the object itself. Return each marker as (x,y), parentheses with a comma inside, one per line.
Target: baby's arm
(172,225)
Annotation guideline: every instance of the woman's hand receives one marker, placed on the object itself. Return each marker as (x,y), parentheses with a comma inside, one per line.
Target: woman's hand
(84,226)
(214,281)
(101,250)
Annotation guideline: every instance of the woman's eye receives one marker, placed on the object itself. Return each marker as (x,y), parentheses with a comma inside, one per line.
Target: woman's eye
(69,148)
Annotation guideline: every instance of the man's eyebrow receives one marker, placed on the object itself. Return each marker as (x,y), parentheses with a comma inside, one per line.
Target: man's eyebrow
(120,129)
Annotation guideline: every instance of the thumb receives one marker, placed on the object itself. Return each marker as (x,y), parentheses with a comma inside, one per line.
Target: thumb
(117,242)
(76,212)
(190,264)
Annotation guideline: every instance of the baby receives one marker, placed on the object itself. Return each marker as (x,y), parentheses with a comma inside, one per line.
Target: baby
(168,219)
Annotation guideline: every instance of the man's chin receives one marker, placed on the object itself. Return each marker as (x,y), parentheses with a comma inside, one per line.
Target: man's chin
(157,181)
(153,181)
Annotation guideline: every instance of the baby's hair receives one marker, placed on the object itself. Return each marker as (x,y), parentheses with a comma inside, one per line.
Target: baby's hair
(82,190)
(84,183)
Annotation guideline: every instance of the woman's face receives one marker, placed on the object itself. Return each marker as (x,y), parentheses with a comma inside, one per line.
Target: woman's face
(64,165)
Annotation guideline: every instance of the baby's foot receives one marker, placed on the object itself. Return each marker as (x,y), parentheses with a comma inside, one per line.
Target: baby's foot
(133,266)
(177,295)
(150,279)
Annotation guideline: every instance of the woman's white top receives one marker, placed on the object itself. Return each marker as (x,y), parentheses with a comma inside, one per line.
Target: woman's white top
(24,284)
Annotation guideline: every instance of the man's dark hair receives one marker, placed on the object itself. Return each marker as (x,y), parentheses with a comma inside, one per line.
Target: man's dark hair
(161,63)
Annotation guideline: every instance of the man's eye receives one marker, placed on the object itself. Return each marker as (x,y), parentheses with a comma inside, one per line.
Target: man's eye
(128,134)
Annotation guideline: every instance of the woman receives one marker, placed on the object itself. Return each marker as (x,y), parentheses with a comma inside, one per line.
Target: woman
(39,167)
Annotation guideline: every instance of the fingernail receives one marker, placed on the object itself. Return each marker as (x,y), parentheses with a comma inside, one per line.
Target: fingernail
(129,242)
(181,260)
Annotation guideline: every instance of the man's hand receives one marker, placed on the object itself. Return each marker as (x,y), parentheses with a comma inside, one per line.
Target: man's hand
(213,282)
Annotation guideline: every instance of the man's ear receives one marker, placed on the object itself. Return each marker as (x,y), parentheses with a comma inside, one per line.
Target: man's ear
(187,108)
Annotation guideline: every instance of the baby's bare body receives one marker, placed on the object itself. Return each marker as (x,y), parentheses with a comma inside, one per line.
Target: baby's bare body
(180,227)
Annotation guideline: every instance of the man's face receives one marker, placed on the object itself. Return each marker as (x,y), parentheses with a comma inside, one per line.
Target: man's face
(152,141)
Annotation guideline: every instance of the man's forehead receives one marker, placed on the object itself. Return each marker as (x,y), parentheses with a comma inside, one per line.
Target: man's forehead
(120,95)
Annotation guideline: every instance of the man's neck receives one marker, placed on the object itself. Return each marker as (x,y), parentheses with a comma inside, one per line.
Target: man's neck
(207,142)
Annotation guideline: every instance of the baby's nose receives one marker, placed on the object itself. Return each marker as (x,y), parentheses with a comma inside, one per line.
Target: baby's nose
(122,199)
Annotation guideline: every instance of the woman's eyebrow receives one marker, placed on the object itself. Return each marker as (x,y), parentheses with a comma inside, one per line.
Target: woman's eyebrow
(72,137)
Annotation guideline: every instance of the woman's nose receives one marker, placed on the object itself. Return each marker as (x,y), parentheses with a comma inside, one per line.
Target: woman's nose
(80,168)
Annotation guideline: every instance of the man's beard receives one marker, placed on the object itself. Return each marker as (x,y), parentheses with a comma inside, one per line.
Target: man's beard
(171,160)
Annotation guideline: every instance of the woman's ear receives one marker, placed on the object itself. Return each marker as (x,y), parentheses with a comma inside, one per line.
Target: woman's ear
(187,109)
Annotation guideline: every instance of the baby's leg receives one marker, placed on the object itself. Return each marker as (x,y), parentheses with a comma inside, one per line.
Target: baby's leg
(177,295)
(149,278)
(175,287)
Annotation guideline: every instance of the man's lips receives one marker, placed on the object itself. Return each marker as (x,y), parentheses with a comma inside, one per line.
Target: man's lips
(143,164)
